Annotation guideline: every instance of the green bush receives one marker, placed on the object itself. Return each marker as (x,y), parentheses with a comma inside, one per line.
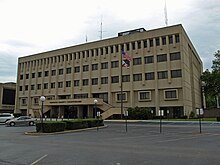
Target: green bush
(218,118)
(49,127)
(140,113)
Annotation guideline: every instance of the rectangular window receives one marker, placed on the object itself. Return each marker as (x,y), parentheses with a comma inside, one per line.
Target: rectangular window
(120,97)
(144,96)
(94,66)
(115,79)
(94,81)
(139,44)
(46,73)
(170,94)
(116,48)
(114,64)
(77,69)
(68,70)
(39,74)
(24,102)
(85,82)
(36,101)
(45,85)
(85,68)
(145,43)
(128,46)
(161,58)
(27,76)
(151,42)
(60,71)
(68,83)
(52,85)
(76,83)
(33,75)
(38,86)
(104,65)
(137,61)
(133,45)
(32,87)
(157,41)
(176,73)
(21,77)
(53,72)
(175,56)
(126,78)
(112,49)
(149,76)
(20,88)
(162,75)
(104,80)
(26,87)
(177,38)
(148,59)
(164,42)
(170,39)
(60,84)
(137,77)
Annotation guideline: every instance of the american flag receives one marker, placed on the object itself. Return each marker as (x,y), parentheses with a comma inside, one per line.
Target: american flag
(126,56)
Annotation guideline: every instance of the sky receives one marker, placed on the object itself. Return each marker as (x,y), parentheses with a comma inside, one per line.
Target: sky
(33,26)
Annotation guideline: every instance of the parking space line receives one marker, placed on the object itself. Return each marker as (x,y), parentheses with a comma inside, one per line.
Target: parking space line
(35,162)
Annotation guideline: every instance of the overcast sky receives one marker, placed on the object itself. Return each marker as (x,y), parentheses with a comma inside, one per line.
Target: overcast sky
(33,26)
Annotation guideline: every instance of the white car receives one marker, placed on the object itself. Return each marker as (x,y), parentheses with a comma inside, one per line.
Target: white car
(22,120)
(5,117)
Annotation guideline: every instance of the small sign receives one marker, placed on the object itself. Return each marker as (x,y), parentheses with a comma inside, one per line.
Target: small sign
(199,111)
(126,113)
(161,112)
(98,113)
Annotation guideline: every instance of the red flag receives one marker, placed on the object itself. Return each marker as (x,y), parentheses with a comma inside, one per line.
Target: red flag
(126,56)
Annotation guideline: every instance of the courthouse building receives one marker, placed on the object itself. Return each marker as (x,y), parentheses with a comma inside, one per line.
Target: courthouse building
(163,74)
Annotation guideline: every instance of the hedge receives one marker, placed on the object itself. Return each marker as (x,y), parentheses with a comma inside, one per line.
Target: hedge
(49,127)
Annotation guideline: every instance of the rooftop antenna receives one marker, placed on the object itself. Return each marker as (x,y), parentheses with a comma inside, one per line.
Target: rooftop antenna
(165,12)
(86,38)
(101,31)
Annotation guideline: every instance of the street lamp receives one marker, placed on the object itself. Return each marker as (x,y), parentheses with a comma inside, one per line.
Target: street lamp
(95,102)
(42,99)
(126,120)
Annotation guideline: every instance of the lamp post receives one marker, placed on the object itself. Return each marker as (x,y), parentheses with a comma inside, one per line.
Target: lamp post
(95,102)
(42,99)
(126,120)
(161,114)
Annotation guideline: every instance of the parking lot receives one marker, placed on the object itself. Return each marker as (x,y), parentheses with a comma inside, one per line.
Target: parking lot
(142,144)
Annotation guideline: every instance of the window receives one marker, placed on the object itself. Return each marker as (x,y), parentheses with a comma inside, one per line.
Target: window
(161,58)
(76,83)
(94,66)
(177,38)
(68,70)
(170,39)
(32,87)
(45,85)
(52,85)
(128,46)
(176,73)
(157,41)
(145,43)
(116,48)
(114,64)
(60,71)
(53,72)
(21,77)
(120,97)
(137,61)
(133,45)
(170,94)
(104,80)
(175,56)
(36,101)
(39,74)
(38,86)
(24,102)
(85,68)
(144,95)
(164,40)
(162,75)
(20,88)
(94,81)
(27,76)
(85,82)
(104,65)
(151,42)
(26,87)
(126,78)
(46,73)
(60,84)
(115,79)
(149,59)
(76,69)
(33,75)
(149,76)
(68,83)
(139,44)
(137,77)
(112,49)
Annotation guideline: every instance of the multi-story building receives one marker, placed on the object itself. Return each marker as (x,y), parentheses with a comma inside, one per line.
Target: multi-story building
(164,73)
(7,97)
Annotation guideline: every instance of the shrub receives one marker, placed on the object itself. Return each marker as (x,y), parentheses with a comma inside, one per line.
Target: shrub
(218,118)
(49,127)
(139,113)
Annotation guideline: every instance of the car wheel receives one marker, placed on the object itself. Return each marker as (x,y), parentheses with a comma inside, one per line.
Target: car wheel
(31,123)
(12,124)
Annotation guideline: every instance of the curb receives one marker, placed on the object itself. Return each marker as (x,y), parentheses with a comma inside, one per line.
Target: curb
(64,132)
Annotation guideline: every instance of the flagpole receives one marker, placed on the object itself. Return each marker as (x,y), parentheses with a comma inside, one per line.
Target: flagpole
(121,88)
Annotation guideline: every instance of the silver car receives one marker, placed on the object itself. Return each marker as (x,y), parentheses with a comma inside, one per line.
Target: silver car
(5,117)
(22,120)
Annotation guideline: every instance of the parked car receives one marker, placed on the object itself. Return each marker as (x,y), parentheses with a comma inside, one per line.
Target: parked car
(22,120)
(5,117)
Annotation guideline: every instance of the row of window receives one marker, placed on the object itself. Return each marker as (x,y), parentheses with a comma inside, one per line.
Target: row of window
(104,65)
(163,40)
(142,96)
(105,80)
